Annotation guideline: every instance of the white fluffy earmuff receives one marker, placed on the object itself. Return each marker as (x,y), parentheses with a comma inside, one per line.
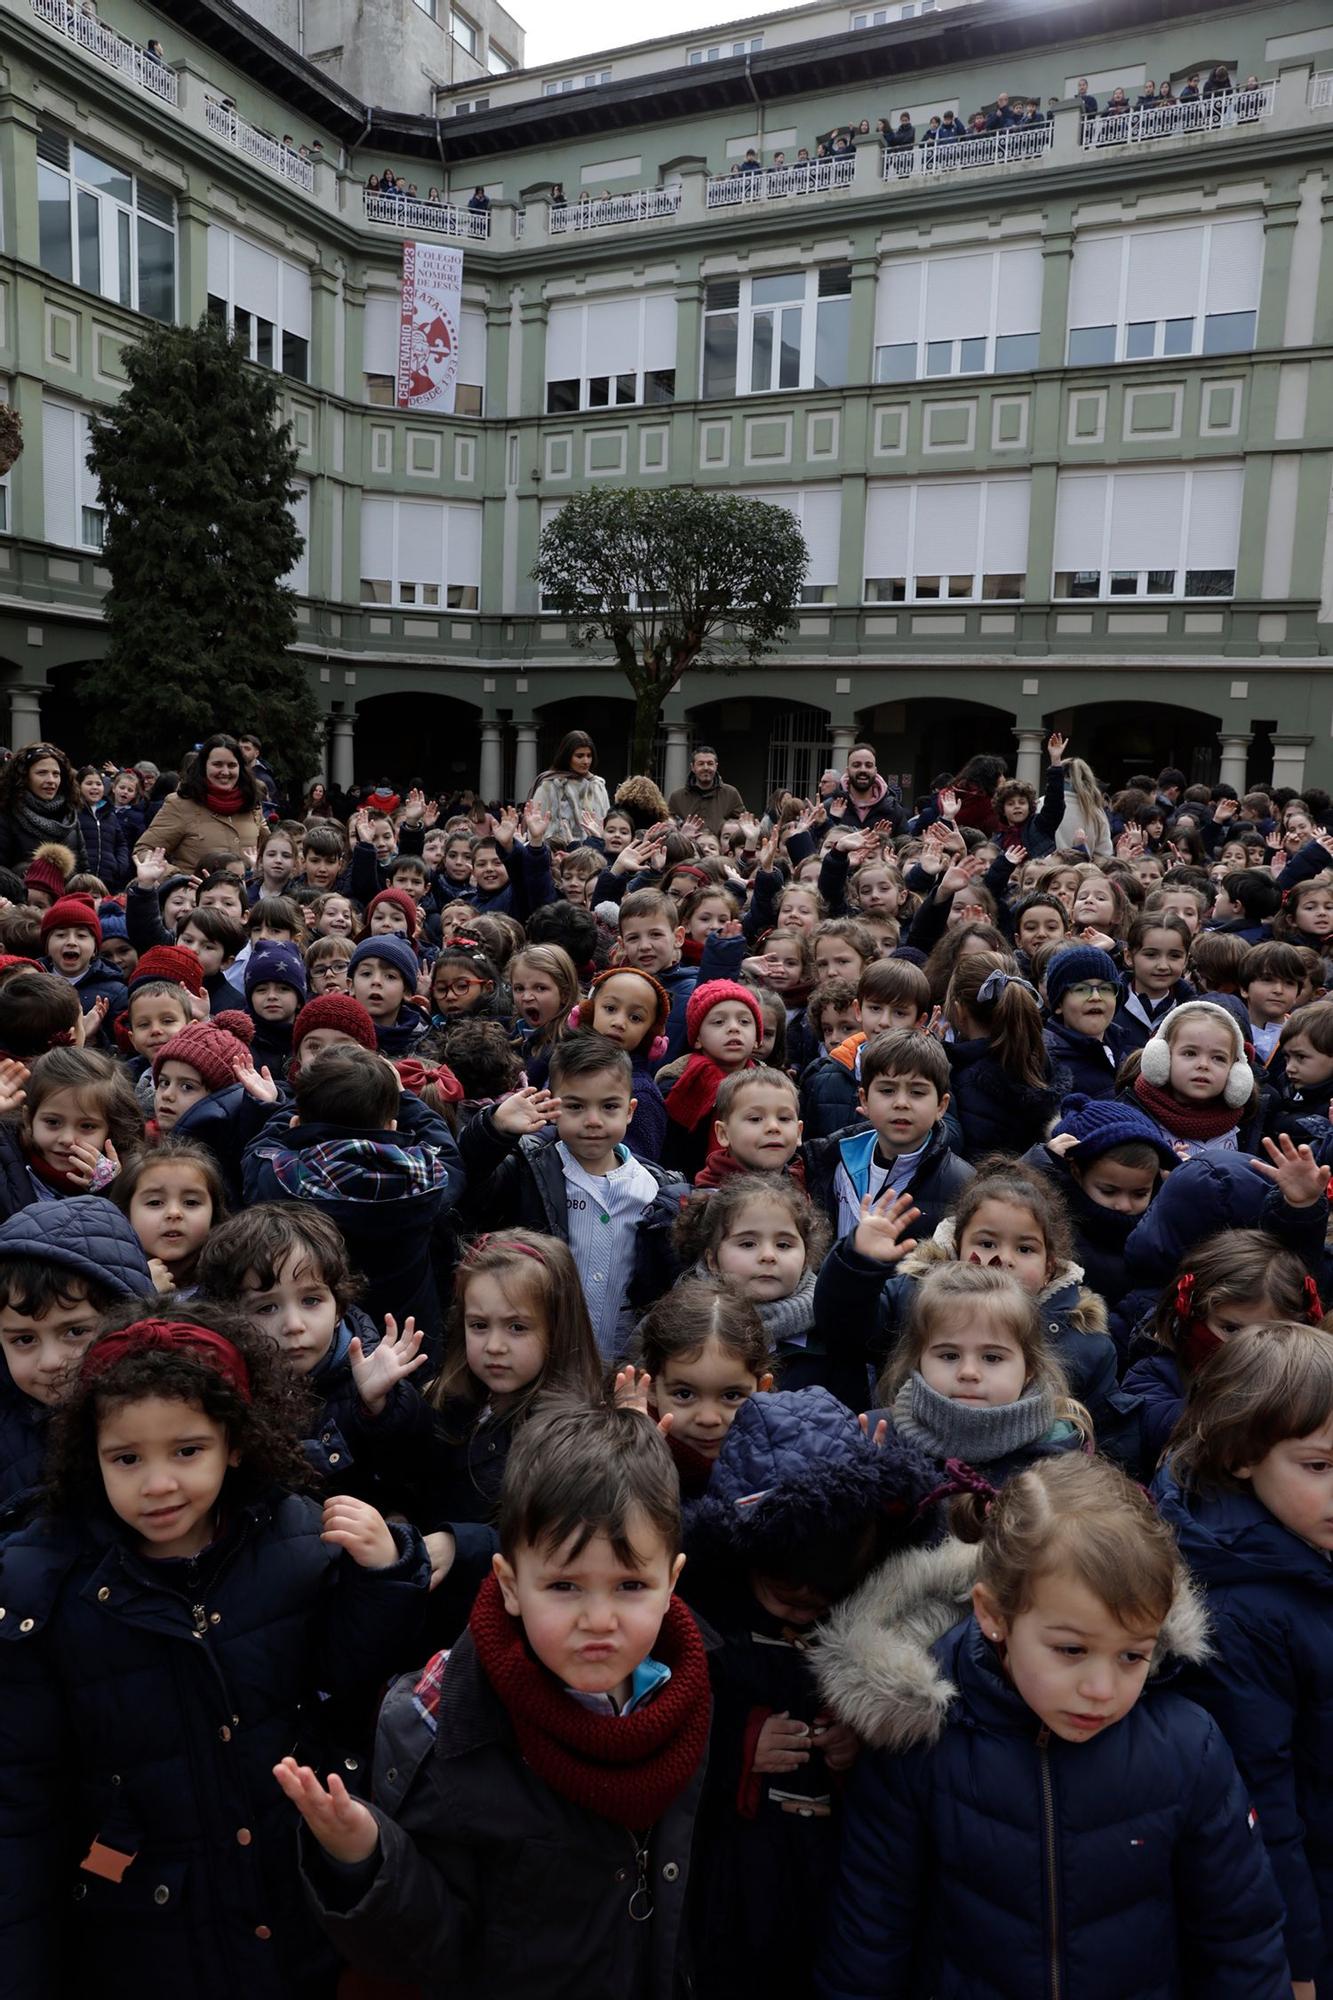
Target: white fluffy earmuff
(1155,1062)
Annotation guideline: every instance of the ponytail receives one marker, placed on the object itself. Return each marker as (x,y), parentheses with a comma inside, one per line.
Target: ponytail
(1009,1011)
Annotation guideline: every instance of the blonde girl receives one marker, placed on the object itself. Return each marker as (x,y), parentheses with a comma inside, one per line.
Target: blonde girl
(1100,904)
(785,961)
(764,1236)
(706,1351)
(173,1196)
(1052,1820)
(1085,824)
(1194,1079)
(545,986)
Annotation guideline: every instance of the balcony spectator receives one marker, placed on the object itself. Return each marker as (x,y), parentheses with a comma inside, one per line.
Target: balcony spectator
(1031,117)
(1085,97)
(1219,82)
(1148,97)
(860,134)
(288,143)
(412,191)
(778,165)
(932,131)
(1117,105)
(1002,116)
(950,129)
(479,202)
(904,132)
(316,149)
(1252,83)
(153,53)
(558,195)
(803,157)
(979,125)
(751,163)
(373,184)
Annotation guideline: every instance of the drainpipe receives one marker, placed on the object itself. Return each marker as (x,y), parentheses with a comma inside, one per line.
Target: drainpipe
(759,103)
(444,164)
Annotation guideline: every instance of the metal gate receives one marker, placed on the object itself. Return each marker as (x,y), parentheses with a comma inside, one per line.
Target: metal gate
(798,757)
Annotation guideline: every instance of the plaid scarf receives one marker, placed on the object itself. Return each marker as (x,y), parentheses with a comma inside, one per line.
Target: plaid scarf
(357,1170)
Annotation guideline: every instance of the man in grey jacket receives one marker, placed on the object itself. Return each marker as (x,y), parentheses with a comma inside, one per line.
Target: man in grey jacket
(703,795)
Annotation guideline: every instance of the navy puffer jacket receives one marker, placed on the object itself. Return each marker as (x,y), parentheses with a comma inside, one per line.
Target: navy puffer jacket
(87,1236)
(1268,1683)
(990,1860)
(143,1706)
(381,1459)
(1078,1062)
(997,1114)
(828,1091)
(105,844)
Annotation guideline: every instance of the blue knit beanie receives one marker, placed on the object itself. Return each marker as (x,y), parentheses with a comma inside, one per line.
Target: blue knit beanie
(1076,962)
(281,964)
(1098,1123)
(395,951)
(112,920)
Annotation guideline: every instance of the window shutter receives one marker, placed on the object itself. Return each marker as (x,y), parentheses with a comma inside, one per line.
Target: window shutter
(947,528)
(1147,511)
(958,297)
(898,303)
(659,332)
(1235,267)
(296,300)
(1164,270)
(472,349)
(377,537)
(888,518)
(60,436)
(1018,307)
(421,541)
(1213,540)
(1004,548)
(465,545)
(1080,520)
(564,343)
(379,336)
(219,256)
(1094,282)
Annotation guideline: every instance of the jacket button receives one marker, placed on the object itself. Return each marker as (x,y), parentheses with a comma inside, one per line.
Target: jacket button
(225,1733)
(670,1872)
(80,1891)
(161,1894)
(103,1594)
(27,1624)
(621,1874)
(243,1836)
(115,1777)
(263,1931)
(334,1457)
(351,1763)
(2,1610)
(391,1774)
(215,1617)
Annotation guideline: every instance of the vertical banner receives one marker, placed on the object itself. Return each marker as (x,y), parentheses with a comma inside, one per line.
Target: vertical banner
(431,312)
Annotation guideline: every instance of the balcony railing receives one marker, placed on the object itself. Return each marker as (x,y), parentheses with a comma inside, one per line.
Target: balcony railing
(951,156)
(643,205)
(98,40)
(1168,121)
(1321,91)
(771,183)
(235,131)
(442,218)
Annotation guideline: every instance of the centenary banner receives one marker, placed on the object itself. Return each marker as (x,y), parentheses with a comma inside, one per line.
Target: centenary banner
(431,312)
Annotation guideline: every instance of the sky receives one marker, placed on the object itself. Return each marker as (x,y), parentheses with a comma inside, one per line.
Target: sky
(557,29)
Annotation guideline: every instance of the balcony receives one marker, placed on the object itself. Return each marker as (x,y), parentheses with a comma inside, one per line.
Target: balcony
(235,131)
(643,205)
(1320,95)
(96,39)
(740,190)
(988,149)
(439,218)
(1170,121)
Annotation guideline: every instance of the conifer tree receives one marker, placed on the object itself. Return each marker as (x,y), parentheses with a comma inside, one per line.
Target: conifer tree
(196,472)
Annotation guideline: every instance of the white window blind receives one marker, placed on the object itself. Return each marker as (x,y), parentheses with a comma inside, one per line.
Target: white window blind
(255,276)
(1147,509)
(564,343)
(421,540)
(464,564)
(1018,307)
(888,529)
(1235,266)
(219,262)
(612,336)
(471,348)
(379,337)
(1004,541)
(947,299)
(377,537)
(1094,282)
(1165,266)
(817,511)
(295,311)
(1212,540)
(659,331)
(298,576)
(1080,517)
(60,437)
(958,297)
(949,528)
(1168,520)
(898,303)
(947,525)
(1175,279)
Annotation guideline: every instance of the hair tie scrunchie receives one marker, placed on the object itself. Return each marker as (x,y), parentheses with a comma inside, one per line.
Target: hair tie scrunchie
(993,985)
(170,1336)
(960,1478)
(1185,1296)
(1314,1304)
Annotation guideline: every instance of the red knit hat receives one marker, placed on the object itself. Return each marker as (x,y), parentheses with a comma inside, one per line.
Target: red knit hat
(714,993)
(334,1010)
(50,868)
(400,901)
(172,962)
(212,1047)
(69,913)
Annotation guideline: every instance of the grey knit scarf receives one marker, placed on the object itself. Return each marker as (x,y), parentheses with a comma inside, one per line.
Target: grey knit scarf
(974,1432)
(788,1321)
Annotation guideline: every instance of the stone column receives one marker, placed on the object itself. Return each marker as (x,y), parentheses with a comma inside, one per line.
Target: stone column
(525,759)
(676,764)
(1234,748)
(843,735)
(490,771)
(341,771)
(1289,760)
(25,716)
(1028,764)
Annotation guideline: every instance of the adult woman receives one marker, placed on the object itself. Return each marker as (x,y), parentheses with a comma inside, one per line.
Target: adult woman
(215,806)
(570,787)
(317,803)
(39,801)
(104,839)
(1085,823)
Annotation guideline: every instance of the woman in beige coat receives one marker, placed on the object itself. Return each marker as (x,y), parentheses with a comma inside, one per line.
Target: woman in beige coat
(214,808)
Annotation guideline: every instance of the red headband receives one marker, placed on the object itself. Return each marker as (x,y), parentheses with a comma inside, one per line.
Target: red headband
(171,1336)
(486,1240)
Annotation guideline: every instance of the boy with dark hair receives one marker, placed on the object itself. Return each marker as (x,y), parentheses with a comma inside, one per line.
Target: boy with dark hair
(37,1011)
(651,940)
(891,993)
(323,858)
(903,1095)
(383,974)
(375,1160)
(1246,902)
(275,992)
(62,1265)
(1270,977)
(216,940)
(537,1767)
(578,1180)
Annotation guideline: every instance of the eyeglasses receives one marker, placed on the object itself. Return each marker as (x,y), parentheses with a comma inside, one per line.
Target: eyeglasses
(1093,989)
(458,989)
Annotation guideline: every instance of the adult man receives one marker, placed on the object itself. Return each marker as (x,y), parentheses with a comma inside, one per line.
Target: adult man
(868,797)
(252,750)
(703,795)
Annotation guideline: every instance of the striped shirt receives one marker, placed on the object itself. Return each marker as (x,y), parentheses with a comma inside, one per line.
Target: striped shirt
(603,1212)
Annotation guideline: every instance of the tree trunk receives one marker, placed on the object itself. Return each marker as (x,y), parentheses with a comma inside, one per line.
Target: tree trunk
(647,708)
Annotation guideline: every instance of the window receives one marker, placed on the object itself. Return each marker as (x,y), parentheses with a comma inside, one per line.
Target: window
(262,299)
(1169,532)
(75,518)
(717,50)
(610,352)
(968,315)
(818,513)
(1145,294)
(420,553)
(472,104)
(955,540)
(427,7)
(103,228)
(379,356)
(784,331)
(298,576)
(878,17)
(463,31)
(497,62)
(557,86)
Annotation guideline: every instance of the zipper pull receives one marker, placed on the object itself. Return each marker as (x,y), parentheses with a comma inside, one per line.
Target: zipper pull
(1043,1737)
(200,1620)
(641,1902)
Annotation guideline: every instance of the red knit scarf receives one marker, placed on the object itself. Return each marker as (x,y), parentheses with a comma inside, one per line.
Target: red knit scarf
(224,804)
(626,1768)
(692,1096)
(723,1166)
(1184,1121)
(54,1177)
(691,951)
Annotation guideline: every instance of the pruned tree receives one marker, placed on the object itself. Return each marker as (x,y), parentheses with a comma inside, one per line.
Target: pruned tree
(672,581)
(196,475)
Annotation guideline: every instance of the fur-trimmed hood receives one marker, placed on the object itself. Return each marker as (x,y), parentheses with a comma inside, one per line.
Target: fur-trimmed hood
(875,1659)
(1065,1293)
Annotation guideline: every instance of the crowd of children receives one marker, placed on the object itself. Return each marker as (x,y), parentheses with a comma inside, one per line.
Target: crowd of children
(796,1356)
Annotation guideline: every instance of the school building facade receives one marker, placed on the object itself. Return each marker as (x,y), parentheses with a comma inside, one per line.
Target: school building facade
(1053,405)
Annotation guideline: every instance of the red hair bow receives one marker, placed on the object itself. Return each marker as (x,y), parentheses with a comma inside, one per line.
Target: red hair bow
(170,1336)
